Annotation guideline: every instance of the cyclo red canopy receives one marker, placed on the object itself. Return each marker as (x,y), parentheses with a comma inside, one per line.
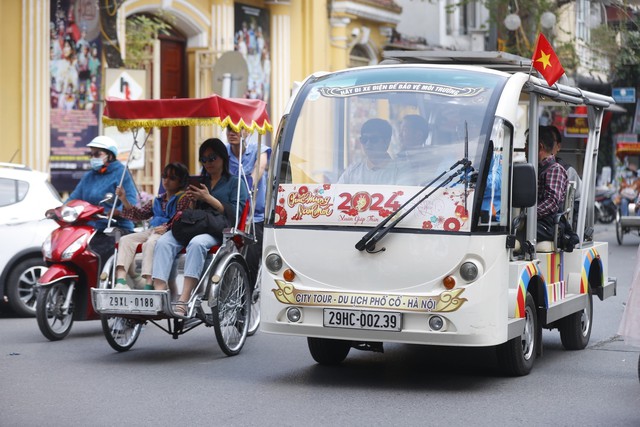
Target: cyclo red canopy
(237,113)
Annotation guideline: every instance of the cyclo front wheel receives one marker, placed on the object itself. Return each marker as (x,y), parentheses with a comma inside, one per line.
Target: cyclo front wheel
(231,312)
(121,333)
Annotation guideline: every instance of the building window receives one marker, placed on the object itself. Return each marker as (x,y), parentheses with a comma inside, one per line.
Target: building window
(359,56)
(469,17)
(583,12)
(461,17)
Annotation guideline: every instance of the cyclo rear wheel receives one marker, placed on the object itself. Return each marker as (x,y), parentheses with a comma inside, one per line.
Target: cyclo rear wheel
(121,333)
(232,308)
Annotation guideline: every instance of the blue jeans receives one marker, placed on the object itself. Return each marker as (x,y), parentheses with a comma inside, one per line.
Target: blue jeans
(624,207)
(167,249)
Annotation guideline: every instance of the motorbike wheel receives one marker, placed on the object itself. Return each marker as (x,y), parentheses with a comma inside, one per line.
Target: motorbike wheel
(53,320)
(231,313)
(121,333)
(608,215)
(254,319)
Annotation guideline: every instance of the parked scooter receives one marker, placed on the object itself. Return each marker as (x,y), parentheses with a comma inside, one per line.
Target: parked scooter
(605,209)
(73,269)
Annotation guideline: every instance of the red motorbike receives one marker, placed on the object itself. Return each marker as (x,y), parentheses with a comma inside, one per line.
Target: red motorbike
(73,269)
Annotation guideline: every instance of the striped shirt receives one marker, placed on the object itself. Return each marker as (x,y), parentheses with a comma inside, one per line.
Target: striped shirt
(552,187)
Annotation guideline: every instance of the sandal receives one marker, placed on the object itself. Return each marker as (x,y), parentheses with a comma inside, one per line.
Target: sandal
(180,308)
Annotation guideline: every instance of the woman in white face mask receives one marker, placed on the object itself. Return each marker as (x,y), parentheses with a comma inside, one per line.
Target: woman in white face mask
(103,177)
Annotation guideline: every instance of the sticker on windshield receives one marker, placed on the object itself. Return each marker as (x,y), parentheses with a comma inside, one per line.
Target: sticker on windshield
(358,205)
(419,87)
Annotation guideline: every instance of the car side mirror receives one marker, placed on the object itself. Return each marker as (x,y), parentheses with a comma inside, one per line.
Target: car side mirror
(525,185)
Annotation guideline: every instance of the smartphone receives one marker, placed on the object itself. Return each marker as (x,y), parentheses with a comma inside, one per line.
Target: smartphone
(195,181)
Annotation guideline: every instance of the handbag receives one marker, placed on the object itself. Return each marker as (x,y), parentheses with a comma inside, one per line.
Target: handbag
(192,222)
(629,193)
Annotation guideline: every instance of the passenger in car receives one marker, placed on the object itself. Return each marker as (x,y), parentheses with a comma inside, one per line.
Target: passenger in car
(377,166)
(161,212)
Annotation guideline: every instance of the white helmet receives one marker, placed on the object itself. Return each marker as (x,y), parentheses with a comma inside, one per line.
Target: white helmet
(104,143)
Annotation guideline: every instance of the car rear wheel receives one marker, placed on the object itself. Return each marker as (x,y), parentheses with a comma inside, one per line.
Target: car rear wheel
(21,286)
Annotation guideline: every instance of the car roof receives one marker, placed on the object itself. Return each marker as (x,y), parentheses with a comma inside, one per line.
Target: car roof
(21,172)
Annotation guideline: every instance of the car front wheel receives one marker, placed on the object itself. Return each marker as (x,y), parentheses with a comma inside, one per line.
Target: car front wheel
(21,286)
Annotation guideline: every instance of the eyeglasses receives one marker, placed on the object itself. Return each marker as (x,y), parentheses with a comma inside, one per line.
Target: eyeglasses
(209,158)
(170,177)
(367,138)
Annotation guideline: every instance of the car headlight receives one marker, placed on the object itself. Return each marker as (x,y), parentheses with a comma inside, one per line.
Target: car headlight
(73,248)
(46,247)
(469,271)
(273,262)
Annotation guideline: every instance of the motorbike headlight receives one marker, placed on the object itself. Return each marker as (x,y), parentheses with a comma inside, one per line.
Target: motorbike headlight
(73,248)
(46,247)
(70,214)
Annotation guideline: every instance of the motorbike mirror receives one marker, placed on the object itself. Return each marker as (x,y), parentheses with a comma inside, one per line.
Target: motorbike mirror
(107,198)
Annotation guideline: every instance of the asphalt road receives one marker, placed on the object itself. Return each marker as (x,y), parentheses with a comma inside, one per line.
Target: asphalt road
(81,381)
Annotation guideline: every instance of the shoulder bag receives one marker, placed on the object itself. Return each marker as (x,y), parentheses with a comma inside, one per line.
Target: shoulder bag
(192,222)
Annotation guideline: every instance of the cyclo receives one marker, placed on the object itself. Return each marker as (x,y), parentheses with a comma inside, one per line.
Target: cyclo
(429,243)
(223,298)
(625,224)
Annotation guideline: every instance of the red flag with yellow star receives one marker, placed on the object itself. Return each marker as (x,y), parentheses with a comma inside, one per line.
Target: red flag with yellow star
(546,61)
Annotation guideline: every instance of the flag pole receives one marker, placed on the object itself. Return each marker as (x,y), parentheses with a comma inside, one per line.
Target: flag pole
(535,49)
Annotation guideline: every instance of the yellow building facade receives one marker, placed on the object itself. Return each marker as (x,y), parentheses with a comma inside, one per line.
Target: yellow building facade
(305,36)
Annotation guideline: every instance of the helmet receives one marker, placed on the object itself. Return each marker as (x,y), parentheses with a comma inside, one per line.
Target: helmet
(104,143)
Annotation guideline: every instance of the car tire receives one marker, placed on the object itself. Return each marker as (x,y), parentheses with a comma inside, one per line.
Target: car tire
(21,286)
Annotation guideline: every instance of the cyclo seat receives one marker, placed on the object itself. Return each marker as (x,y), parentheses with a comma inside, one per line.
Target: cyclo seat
(237,239)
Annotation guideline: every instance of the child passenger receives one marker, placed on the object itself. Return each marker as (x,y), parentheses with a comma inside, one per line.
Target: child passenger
(161,210)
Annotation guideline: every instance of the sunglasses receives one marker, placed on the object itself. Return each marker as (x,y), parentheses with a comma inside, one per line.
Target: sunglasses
(209,158)
(366,139)
(170,177)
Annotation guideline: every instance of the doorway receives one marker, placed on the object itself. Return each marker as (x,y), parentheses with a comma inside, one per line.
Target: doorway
(173,84)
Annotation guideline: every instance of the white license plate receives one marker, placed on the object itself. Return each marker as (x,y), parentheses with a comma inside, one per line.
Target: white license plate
(129,303)
(357,319)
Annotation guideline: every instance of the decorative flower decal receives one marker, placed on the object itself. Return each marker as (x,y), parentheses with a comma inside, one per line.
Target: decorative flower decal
(303,190)
(462,213)
(281,216)
(451,224)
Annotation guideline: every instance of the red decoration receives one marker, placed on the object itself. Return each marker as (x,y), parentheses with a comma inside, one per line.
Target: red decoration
(546,61)
(237,113)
